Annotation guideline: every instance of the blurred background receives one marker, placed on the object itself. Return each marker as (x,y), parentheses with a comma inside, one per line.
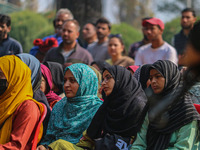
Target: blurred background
(33,19)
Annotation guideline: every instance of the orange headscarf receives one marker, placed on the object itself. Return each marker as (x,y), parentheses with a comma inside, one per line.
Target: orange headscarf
(19,89)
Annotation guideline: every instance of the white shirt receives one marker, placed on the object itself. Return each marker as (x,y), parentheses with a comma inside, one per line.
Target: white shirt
(148,55)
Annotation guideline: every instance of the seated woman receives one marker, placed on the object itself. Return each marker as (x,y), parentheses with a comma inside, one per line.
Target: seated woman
(115,49)
(118,118)
(57,76)
(175,128)
(73,114)
(19,112)
(36,78)
(46,86)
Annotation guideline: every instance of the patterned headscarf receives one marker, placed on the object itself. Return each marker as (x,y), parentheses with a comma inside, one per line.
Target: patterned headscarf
(71,116)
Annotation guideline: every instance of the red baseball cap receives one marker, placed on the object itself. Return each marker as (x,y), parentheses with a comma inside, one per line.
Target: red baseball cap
(154,21)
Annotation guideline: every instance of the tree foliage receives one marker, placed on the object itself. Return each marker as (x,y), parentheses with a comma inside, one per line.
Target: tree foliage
(132,11)
(129,34)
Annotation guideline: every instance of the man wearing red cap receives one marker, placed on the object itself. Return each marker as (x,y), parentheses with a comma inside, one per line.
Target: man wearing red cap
(158,49)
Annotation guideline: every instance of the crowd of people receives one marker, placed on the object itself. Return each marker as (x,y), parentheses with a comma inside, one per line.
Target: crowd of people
(96,96)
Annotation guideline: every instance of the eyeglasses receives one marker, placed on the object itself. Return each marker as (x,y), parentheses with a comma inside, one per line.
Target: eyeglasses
(106,79)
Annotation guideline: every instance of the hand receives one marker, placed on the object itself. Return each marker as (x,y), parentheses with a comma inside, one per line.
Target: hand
(41,147)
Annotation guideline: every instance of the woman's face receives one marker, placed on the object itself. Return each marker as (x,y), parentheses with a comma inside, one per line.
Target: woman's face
(43,86)
(107,83)
(157,81)
(115,47)
(70,84)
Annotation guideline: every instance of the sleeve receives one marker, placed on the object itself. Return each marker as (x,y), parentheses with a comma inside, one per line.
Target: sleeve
(18,48)
(172,55)
(140,142)
(138,58)
(25,120)
(187,137)
(34,50)
(90,58)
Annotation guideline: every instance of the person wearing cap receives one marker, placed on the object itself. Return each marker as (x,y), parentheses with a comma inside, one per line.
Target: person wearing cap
(157,49)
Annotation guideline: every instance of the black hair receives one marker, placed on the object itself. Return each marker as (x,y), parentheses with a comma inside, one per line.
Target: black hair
(189,10)
(5,19)
(104,20)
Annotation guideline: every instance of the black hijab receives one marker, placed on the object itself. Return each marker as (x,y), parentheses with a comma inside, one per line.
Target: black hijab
(120,112)
(142,75)
(57,74)
(181,113)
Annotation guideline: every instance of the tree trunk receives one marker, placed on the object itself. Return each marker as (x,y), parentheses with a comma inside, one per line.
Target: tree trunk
(84,11)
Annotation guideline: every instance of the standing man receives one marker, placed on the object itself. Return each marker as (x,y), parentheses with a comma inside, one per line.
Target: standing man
(89,35)
(8,45)
(187,21)
(158,49)
(69,51)
(61,16)
(135,46)
(100,50)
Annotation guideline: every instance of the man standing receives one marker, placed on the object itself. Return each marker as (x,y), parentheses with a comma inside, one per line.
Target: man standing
(61,16)
(187,21)
(69,51)
(158,49)
(100,50)
(89,35)
(8,45)
(135,46)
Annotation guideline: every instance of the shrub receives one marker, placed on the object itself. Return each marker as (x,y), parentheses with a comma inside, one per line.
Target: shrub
(26,25)
(129,33)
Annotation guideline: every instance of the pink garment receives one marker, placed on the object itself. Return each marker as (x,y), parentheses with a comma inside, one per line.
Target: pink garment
(133,68)
(51,96)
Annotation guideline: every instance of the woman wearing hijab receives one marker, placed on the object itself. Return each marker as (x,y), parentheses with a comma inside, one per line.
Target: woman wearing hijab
(118,118)
(73,114)
(142,75)
(115,50)
(178,126)
(46,86)
(57,76)
(36,78)
(17,120)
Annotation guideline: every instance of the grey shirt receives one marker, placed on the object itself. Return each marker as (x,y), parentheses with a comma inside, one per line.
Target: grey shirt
(10,46)
(99,51)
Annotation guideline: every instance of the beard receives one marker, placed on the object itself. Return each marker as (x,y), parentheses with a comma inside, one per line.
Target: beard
(187,26)
(100,36)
